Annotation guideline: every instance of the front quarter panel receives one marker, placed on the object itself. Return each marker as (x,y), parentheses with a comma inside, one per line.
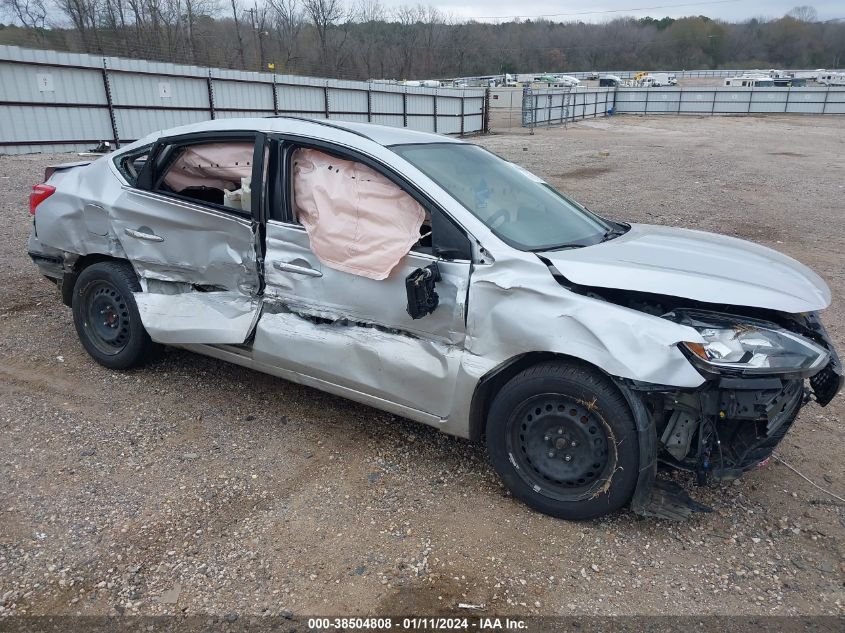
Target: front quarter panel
(516,307)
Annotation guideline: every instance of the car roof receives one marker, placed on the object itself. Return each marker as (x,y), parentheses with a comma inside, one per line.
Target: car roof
(320,128)
(387,135)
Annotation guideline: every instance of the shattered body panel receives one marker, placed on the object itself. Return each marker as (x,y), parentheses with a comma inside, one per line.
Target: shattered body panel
(251,286)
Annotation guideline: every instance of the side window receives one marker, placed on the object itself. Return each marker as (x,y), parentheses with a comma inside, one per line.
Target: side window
(331,195)
(130,165)
(218,173)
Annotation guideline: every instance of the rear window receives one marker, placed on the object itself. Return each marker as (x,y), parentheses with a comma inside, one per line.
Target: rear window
(130,165)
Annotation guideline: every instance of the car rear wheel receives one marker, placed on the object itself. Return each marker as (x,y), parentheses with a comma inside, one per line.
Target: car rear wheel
(564,441)
(106,316)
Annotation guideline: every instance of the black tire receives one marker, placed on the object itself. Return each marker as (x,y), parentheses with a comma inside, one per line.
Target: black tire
(563,440)
(106,316)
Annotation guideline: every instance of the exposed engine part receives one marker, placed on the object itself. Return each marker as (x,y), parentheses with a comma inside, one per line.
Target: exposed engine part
(722,432)
(679,433)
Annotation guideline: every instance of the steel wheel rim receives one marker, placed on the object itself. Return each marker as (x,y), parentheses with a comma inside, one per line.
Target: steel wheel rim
(561,447)
(106,317)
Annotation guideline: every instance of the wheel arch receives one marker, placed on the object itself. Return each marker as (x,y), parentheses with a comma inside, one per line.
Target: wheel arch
(490,384)
(68,280)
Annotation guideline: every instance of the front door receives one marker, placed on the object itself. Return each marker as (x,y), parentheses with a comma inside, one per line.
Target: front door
(187,228)
(354,330)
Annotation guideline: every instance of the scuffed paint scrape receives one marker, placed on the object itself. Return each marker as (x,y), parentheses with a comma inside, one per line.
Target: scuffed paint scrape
(197,317)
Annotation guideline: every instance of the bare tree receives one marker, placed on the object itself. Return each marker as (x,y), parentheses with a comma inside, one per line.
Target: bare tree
(324,14)
(405,22)
(83,16)
(370,17)
(804,13)
(325,37)
(30,13)
(235,12)
(288,23)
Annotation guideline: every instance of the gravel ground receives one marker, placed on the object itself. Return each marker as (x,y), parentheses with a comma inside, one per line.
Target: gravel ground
(197,487)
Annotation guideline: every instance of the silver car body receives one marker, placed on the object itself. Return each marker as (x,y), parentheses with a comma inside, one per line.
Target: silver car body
(352,336)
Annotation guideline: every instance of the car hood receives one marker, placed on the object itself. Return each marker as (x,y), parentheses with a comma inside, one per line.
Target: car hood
(695,265)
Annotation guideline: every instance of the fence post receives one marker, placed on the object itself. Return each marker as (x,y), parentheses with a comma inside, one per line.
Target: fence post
(645,107)
(786,103)
(463,99)
(485,118)
(713,105)
(369,103)
(435,111)
(824,103)
(275,97)
(110,104)
(405,108)
(326,100)
(210,84)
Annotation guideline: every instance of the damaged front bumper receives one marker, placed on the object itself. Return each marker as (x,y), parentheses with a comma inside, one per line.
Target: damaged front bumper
(722,429)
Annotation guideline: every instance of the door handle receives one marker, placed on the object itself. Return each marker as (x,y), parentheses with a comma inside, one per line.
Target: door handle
(298,270)
(150,237)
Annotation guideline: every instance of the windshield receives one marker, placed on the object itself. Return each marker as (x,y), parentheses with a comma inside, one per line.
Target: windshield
(516,205)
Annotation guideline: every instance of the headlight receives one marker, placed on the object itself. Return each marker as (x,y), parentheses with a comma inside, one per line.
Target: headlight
(736,345)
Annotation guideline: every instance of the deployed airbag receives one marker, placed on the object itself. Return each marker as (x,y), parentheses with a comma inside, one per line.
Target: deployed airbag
(213,165)
(357,220)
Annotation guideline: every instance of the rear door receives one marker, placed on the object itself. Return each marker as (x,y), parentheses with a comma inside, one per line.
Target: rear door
(356,331)
(187,226)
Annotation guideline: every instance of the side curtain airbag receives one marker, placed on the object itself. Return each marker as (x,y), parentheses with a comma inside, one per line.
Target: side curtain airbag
(214,165)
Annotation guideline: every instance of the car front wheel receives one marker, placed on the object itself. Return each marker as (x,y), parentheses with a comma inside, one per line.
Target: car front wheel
(563,440)
(106,316)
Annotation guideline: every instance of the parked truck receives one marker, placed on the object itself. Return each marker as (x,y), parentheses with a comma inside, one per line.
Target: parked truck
(657,80)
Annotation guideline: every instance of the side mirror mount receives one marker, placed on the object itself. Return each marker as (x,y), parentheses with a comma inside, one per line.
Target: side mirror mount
(448,240)
(419,286)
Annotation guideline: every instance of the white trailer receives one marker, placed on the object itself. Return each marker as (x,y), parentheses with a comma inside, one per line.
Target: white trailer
(828,78)
(751,81)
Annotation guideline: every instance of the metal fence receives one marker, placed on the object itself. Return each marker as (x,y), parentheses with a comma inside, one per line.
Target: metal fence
(53,101)
(629,74)
(730,100)
(560,106)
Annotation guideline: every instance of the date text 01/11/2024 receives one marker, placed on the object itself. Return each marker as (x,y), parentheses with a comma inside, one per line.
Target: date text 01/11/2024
(417,623)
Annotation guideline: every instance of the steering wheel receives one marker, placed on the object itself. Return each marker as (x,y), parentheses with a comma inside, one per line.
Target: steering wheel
(498,219)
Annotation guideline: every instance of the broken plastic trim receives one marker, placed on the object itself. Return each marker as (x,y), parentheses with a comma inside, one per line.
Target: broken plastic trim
(653,497)
(422,297)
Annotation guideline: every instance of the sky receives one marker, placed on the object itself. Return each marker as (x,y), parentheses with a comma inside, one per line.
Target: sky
(587,11)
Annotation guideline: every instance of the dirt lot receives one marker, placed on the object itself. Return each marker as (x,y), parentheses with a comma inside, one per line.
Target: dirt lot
(199,487)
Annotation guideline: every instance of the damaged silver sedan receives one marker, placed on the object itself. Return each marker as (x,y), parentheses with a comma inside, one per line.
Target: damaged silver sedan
(427,277)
